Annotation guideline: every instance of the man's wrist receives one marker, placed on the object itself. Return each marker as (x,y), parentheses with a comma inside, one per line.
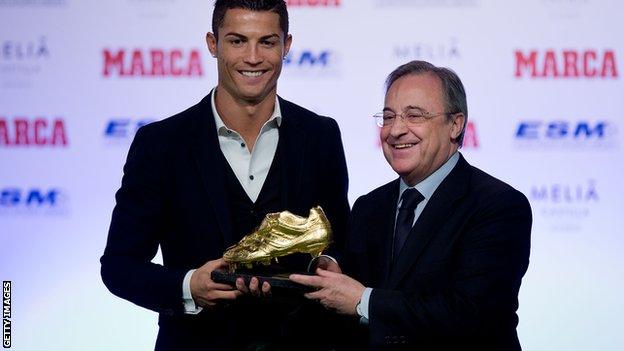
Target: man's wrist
(187,297)
(361,308)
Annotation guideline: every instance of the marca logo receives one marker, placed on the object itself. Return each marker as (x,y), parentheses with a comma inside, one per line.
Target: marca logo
(308,58)
(566,64)
(471,139)
(152,63)
(38,132)
(18,51)
(429,51)
(313,3)
(124,128)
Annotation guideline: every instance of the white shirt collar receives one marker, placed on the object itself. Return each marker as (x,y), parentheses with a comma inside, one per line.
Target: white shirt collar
(429,185)
(221,127)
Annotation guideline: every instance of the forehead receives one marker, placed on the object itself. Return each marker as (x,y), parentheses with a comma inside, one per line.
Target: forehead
(422,90)
(249,22)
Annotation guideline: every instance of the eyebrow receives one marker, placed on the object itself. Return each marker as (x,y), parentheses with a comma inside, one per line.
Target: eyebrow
(412,107)
(241,36)
(409,107)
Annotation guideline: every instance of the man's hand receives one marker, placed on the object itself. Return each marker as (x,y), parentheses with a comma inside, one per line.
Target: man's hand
(324,262)
(207,293)
(337,292)
(254,288)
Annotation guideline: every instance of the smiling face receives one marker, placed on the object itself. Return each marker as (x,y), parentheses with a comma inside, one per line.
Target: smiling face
(415,151)
(249,51)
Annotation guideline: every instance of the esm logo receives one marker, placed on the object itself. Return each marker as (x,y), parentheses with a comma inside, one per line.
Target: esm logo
(32,200)
(308,59)
(561,132)
(123,129)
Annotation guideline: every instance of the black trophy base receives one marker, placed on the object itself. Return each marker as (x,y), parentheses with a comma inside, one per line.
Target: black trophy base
(277,278)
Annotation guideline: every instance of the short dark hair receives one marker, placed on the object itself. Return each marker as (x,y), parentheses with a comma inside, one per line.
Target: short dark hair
(277,6)
(452,87)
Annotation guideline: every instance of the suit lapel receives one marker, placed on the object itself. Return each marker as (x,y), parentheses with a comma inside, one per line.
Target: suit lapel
(388,214)
(208,159)
(436,212)
(292,151)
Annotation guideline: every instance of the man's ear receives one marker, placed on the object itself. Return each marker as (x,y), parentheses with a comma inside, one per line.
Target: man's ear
(458,122)
(211,41)
(287,43)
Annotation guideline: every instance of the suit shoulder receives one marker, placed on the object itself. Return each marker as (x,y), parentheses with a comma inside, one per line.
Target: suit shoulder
(490,187)
(176,125)
(376,196)
(305,116)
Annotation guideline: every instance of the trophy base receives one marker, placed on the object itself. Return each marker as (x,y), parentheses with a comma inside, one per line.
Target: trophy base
(278,280)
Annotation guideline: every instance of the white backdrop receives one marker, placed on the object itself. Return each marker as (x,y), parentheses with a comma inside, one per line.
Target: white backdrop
(544,86)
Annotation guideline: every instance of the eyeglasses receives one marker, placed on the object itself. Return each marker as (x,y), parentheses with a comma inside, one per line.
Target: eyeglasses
(410,116)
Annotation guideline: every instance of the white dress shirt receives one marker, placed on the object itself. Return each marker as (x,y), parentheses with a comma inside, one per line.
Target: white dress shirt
(250,167)
(426,187)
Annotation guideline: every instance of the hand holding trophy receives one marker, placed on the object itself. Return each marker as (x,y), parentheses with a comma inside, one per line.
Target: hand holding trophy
(280,234)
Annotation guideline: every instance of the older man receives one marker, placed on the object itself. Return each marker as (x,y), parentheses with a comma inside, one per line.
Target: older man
(436,256)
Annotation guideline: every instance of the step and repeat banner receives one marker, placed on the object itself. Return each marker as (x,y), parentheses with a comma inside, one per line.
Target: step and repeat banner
(544,80)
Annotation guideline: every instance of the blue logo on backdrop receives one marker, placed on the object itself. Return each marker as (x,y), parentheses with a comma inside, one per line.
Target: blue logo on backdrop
(564,206)
(323,62)
(562,133)
(16,200)
(308,58)
(122,130)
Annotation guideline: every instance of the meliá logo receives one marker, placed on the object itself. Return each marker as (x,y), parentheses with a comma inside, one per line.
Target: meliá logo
(152,63)
(19,51)
(566,64)
(37,132)
(429,51)
(123,129)
(564,133)
(560,193)
(313,3)
(35,200)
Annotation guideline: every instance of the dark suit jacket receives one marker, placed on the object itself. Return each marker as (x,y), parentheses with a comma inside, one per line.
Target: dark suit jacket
(173,196)
(455,284)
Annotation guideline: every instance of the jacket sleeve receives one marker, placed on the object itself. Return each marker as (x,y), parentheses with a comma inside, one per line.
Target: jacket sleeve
(492,256)
(335,185)
(138,221)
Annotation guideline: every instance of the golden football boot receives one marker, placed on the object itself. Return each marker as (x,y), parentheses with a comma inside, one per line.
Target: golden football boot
(281,234)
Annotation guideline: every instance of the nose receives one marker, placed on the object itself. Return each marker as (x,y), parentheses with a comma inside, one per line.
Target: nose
(253,55)
(398,128)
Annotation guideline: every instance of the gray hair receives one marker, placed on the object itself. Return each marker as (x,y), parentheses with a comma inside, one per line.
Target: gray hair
(452,87)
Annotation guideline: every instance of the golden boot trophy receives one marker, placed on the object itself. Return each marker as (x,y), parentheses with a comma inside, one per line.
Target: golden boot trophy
(280,234)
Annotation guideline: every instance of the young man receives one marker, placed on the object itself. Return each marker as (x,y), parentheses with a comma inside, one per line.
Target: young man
(439,253)
(196,183)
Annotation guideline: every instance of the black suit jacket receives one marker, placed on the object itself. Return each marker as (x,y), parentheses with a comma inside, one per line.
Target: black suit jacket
(455,284)
(173,196)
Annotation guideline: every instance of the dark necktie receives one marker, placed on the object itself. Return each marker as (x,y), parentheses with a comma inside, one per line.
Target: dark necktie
(405,219)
